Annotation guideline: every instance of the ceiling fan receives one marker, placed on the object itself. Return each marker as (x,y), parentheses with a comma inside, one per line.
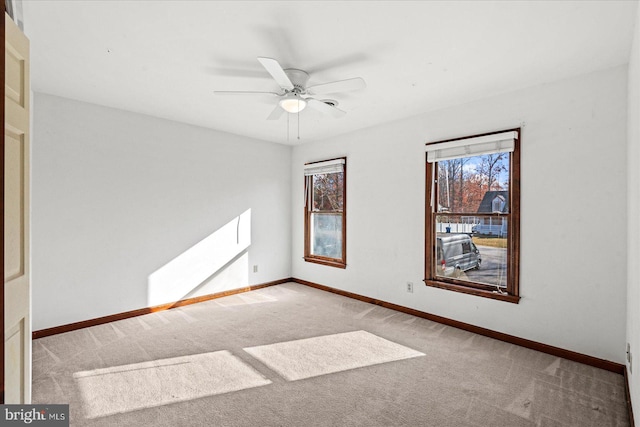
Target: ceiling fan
(296,95)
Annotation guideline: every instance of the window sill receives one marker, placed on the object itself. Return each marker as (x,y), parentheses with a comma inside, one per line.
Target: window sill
(326,261)
(473,291)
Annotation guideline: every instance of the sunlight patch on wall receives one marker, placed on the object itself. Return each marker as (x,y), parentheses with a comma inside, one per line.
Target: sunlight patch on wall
(217,253)
(233,275)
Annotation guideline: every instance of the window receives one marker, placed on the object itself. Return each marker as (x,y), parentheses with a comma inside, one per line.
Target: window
(473,215)
(325,213)
(498,204)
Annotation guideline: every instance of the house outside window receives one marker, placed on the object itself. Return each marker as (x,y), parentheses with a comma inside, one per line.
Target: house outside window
(472,215)
(325,212)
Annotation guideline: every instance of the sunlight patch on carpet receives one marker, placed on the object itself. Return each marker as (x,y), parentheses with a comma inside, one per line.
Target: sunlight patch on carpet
(311,357)
(144,385)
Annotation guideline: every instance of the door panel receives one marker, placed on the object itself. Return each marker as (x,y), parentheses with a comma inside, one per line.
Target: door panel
(14,86)
(14,345)
(17,284)
(14,256)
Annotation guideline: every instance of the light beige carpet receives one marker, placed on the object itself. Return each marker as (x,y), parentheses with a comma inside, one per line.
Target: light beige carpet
(137,386)
(310,357)
(463,379)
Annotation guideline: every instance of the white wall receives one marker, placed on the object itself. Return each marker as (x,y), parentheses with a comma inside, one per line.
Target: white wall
(120,202)
(633,194)
(573,267)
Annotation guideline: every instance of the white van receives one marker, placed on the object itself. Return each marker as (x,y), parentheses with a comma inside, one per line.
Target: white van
(456,253)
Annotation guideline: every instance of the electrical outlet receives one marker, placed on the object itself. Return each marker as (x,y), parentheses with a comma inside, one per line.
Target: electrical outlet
(255,268)
(410,287)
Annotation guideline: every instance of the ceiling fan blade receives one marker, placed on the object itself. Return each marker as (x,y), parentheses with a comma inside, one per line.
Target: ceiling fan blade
(242,92)
(273,67)
(337,86)
(276,113)
(323,107)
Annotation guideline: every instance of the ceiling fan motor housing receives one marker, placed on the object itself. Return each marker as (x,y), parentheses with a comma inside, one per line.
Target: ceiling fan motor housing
(299,79)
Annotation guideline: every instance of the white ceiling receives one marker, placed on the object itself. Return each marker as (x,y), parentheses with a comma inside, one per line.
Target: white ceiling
(165,58)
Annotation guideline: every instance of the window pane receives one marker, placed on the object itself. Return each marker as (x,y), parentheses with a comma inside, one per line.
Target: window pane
(474,184)
(328,192)
(326,235)
(471,257)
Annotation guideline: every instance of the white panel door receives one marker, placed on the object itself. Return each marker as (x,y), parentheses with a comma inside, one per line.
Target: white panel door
(17,284)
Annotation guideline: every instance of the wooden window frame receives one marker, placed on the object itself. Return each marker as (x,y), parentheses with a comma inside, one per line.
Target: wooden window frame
(308,256)
(512,293)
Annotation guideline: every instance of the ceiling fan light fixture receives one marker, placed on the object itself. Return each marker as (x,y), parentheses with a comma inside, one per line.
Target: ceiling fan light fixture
(293,103)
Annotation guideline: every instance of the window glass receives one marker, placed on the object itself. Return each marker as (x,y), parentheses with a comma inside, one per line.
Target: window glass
(326,235)
(464,183)
(473,186)
(328,192)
